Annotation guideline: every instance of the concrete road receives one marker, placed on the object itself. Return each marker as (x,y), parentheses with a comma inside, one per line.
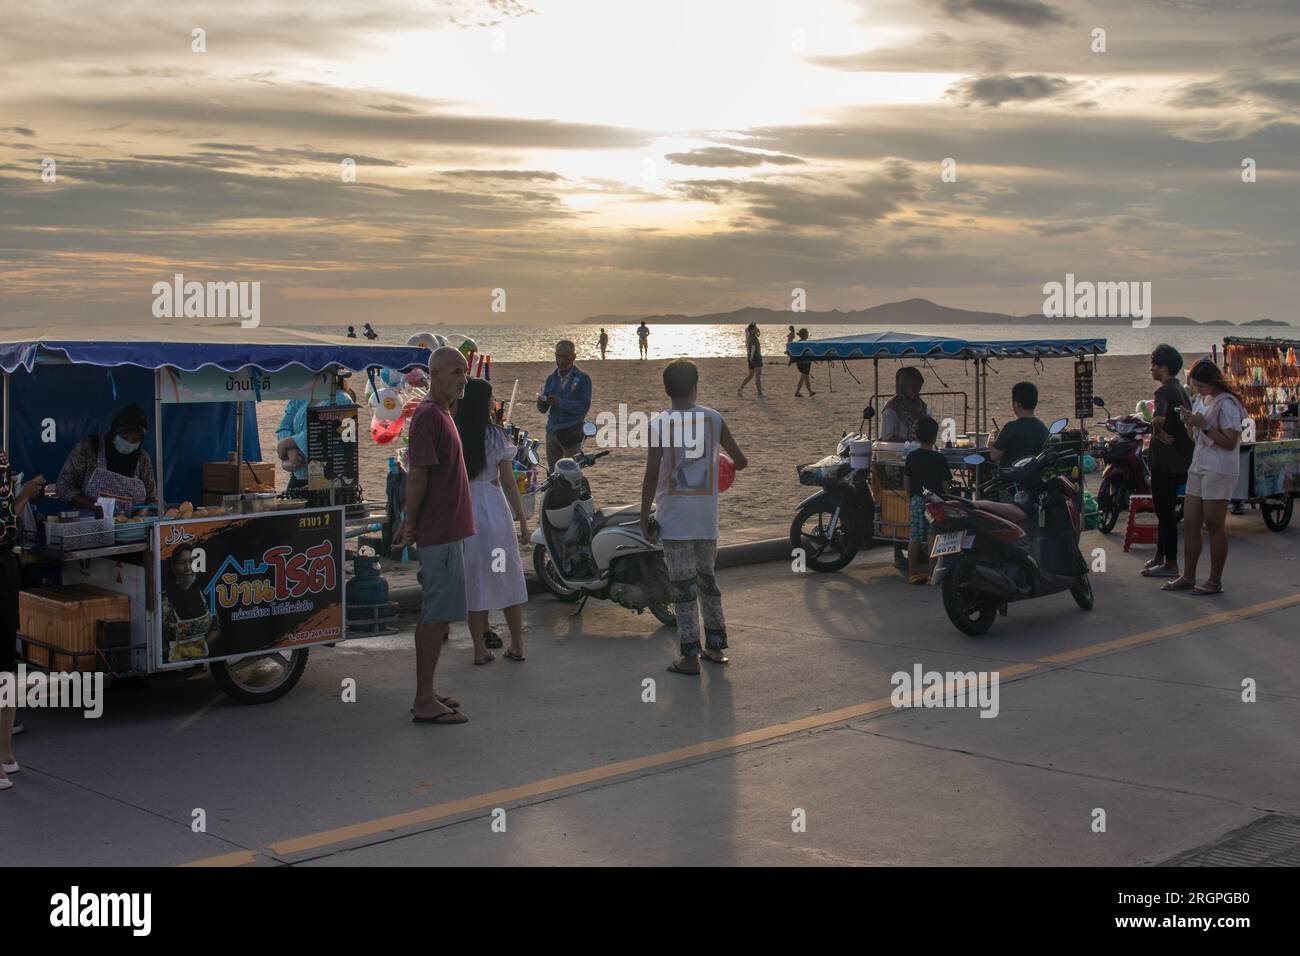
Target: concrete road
(1131,715)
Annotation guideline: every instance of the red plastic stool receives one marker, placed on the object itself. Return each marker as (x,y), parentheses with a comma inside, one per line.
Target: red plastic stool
(1136,533)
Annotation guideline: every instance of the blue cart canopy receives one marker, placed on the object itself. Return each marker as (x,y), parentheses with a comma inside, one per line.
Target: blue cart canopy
(224,347)
(898,345)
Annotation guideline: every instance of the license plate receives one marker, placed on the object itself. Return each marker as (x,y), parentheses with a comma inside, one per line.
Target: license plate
(949,543)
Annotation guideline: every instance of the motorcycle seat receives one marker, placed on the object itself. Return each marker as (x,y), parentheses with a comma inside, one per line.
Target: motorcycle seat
(604,516)
(1002,509)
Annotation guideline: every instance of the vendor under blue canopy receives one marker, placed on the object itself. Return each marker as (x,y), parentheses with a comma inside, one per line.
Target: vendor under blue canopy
(111,464)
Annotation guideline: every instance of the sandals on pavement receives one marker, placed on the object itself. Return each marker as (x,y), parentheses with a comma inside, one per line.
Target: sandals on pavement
(490,658)
(724,659)
(1208,588)
(514,657)
(1159,571)
(450,717)
(681,670)
(10,767)
(1179,583)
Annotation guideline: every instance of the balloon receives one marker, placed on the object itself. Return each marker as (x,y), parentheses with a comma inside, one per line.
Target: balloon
(466,347)
(387,404)
(1144,408)
(427,340)
(1089,464)
(417,377)
(726,471)
(391,376)
(384,432)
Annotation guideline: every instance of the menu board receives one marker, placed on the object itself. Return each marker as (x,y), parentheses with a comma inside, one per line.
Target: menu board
(332,447)
(1083,389)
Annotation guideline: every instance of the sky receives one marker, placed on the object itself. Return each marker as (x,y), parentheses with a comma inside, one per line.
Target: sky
(558,159)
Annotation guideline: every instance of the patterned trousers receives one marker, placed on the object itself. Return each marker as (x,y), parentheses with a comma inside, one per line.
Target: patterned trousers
(690,576)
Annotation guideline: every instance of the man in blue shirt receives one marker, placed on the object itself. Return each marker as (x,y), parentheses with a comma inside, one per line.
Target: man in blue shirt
(292,435)
(565,399)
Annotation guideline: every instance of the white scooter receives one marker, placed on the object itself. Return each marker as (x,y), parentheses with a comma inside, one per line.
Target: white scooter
(582,552)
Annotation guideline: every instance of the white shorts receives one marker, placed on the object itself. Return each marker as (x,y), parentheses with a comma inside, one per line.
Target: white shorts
(1210,485)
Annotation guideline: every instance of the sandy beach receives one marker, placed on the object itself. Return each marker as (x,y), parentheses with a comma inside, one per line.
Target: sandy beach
(777,432)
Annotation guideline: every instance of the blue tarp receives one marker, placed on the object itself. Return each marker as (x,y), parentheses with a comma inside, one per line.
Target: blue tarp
(230,349)
(905,344)
(53,408)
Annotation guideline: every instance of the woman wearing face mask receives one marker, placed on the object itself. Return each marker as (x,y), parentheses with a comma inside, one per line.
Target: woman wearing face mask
(112,464)
(189,629)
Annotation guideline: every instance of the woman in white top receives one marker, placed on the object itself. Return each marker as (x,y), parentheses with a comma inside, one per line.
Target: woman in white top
(494,575)
(1215,421)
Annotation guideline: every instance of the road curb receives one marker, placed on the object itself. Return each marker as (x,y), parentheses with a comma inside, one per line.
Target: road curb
(407,596)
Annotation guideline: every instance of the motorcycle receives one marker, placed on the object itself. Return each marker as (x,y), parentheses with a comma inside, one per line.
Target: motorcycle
(1127,470)
(832,525)
(994,552)
(582,552)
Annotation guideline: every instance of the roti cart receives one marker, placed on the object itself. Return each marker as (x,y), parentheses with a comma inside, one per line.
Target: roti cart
(244,583)
(862,498)
(1265,373)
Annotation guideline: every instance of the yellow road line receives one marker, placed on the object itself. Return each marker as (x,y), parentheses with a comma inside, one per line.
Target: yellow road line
(485,801)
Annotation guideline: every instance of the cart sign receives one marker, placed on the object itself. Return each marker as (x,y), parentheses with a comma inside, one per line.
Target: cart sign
(248,384)
(1083,389)
(242,585)
(332,447)
(1277,468)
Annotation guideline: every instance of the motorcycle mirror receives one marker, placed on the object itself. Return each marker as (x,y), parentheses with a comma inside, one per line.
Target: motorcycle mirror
(1058,426)
(974,459)
(589,429)
(1098,401)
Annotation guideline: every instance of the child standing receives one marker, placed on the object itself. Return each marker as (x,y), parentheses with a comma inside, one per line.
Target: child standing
(926,470)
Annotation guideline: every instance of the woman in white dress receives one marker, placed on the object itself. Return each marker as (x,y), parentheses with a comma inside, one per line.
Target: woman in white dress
(494,574)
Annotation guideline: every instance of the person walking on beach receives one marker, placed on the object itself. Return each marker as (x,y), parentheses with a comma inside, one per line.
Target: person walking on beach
(370,333)
(1171,456)
(805,369)
(565,399)
(681,479)
(603,342)
(754,359)
(643,339)
(439,517)
(494,575)
(1216,420)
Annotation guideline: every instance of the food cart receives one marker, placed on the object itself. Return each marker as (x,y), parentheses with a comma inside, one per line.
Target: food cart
(867,502)
(1265,373)
(262,576)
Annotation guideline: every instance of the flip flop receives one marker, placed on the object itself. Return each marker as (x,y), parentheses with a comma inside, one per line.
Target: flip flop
(1173,586)
(715,660)
(918,579)
(1202,590)
(490,659)
(677,670)
(1160,572)
(6,785)
(451,702)
(514,657)
(451,717)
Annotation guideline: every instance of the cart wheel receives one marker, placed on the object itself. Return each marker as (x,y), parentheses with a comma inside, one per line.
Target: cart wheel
(1277,514)
(809,529)
(969,610)
(1082,592)
(262,678)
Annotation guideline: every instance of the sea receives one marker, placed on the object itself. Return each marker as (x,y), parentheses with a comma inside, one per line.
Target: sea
(536,343)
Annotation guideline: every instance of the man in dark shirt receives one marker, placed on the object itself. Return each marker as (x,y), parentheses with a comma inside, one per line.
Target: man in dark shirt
(1025,435)
(439,517)
(926,470)
(1171,456)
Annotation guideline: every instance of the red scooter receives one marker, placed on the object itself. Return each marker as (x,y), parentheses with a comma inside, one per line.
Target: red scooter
(1127,471)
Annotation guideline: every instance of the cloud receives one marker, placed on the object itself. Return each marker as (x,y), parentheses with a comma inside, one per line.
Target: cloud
(993,91)
(525,174)
(725,156)
(20,130)
(1237,87)
(1021,13)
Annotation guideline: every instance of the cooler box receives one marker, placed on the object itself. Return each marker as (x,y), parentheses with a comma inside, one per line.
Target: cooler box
(67,618)
(892,508)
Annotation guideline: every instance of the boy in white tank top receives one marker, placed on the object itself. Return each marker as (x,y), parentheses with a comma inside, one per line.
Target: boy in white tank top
(681,479)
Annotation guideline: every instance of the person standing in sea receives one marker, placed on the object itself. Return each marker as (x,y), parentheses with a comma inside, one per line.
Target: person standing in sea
(643,339)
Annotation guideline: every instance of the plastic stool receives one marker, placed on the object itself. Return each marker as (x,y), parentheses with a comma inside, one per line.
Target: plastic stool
(1136,533)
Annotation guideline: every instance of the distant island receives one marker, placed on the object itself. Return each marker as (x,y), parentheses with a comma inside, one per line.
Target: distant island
(892,315)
